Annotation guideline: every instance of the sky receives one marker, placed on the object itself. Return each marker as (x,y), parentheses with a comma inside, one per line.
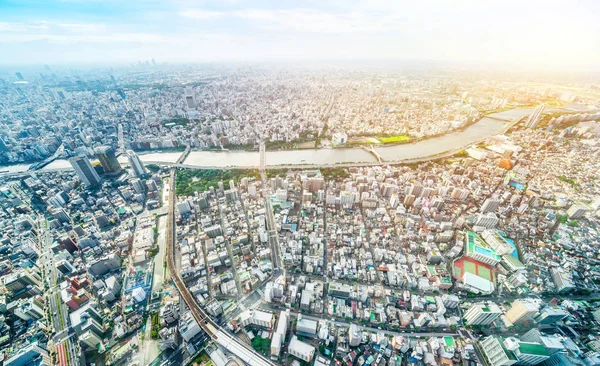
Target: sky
(536,34)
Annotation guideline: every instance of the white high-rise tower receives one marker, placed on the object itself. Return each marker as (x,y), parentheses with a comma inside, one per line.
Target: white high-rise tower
(136,164)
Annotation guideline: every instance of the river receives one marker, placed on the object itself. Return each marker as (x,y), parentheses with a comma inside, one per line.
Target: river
(455,140)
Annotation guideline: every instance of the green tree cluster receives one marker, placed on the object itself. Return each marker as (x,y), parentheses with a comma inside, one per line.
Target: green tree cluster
(262,345)
(335,173)
(153,168)
(155,326)
(189,181)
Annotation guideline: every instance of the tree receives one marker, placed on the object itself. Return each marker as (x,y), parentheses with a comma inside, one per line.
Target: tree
(153,168)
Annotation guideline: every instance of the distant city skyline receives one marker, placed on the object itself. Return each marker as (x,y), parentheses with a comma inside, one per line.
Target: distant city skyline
(543,35)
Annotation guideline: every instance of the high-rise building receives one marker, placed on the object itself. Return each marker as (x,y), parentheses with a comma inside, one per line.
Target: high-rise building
(31,354)
(30,309)
(490,205)
(450,301)
(17,281)
(409,200)
(535,116)
(279,335)
(496,353)
(415,190)
(90,339)
(355,335)
(528,353)
(191,103)
(136,164)
(482,314)
(488,220)
(521,311)
(108,160)
(562,281)
(509,351)
(138,185)
(85,171)
(553,343)
(576,211)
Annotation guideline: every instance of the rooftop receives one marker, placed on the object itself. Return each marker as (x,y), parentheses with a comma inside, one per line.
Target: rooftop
(533,349)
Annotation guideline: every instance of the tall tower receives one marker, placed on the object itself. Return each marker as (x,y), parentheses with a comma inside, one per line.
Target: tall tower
(107,158)
(136,164)
(85,171)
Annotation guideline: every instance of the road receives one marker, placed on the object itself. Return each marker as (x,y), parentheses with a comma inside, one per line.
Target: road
(121,139)
(159,259)
(224,225)
(272,228)
(68,349)
(214,331)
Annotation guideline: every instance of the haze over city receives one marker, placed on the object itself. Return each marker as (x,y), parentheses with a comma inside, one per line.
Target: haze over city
(558,35)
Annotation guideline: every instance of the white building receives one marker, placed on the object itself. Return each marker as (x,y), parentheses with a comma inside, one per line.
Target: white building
(339,138)
(262,319)
(279,335)
(188,327)
(496,353)
(561,280)
(306,326)
(301,350)
(482,314)
(136,164)
(576,211)
(450,301)
(490,205)
(497,242)
(488,220)
(90,339)
(354,335)
(521,311)
(138,294)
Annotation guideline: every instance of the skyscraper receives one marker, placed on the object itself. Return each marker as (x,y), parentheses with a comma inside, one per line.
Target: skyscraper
(136,164)
(107,158)
(85,171)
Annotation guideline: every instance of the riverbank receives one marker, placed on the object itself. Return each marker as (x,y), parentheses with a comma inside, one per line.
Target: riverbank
(423,150)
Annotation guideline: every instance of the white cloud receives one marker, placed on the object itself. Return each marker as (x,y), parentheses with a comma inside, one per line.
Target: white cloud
(201,14)
(504,31)
(307,20)
(117,38)
(21,27)
(82,27)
